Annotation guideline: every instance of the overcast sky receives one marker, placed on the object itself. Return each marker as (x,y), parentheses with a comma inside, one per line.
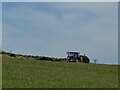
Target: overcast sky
(52,29)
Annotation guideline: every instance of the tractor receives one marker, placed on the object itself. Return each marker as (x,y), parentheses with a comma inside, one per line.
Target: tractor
(76,57)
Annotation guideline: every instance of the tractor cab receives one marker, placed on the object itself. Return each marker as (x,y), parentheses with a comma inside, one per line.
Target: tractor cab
(72,56)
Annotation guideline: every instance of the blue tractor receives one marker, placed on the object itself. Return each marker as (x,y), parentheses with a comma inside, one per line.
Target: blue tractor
(75,56)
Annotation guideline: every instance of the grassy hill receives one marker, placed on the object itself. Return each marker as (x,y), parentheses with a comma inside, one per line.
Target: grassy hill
(30,73)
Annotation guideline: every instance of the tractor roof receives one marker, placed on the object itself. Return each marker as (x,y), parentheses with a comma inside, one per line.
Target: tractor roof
(73,53)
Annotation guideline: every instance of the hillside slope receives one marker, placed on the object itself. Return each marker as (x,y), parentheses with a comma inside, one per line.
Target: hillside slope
(29,73)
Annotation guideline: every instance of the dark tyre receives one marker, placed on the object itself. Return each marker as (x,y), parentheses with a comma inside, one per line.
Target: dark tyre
(86,59)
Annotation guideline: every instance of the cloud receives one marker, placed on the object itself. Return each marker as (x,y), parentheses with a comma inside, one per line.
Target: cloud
(52,29)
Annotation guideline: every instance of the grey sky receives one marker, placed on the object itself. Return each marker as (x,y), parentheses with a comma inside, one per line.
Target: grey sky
(52,29)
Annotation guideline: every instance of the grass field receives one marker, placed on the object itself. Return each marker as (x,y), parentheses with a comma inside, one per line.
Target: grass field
(29,73)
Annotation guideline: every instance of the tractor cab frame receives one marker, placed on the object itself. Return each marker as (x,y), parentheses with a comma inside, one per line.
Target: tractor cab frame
(72,56)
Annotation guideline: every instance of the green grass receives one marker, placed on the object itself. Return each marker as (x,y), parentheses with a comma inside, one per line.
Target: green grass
(28,73)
